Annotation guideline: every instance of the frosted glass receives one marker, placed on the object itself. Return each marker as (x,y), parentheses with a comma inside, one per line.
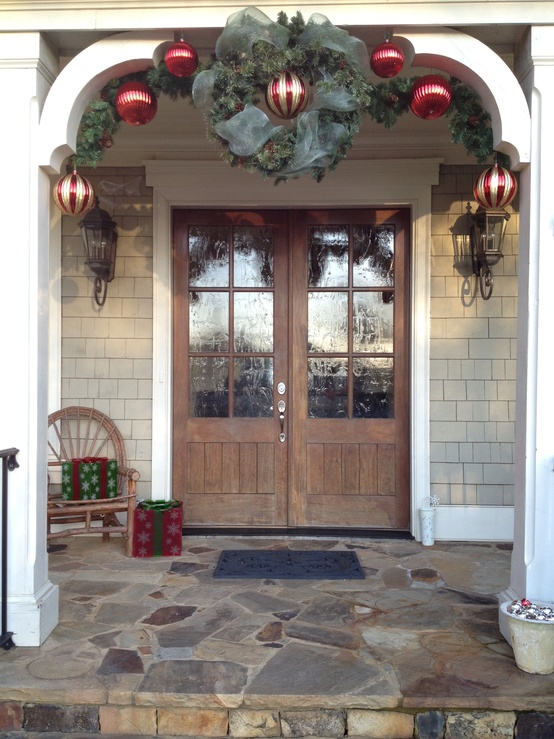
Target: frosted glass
(328,256)
(373,388)
(327,322)
(253,322)
(208,322)
(253,388)
(209,387)
(253,256)
(327,388)
(373,322)
(373,256)
(208,256)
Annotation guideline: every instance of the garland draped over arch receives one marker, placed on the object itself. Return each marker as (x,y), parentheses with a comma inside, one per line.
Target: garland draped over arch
(250,52)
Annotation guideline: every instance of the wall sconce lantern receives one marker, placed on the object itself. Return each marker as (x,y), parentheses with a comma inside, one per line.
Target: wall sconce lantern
(493,189)
(487,237)
(100,239)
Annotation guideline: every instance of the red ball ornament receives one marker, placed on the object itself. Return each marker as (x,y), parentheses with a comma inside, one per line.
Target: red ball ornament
(387,59)
(73,194)
(181,59)
(430,97)
(495,188)
(136,103)
(286,95)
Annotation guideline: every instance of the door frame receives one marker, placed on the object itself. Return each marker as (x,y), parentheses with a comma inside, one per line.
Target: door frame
(355,184)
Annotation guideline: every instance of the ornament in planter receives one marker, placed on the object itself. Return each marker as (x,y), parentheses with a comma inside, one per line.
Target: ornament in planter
(430,96)
(135,103)
(531,628)
(73,194)
(496,187)
(286,95)
(181,58)
(387,59)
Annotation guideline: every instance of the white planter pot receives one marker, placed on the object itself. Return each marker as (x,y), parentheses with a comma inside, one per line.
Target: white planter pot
(532,642)
(427,525)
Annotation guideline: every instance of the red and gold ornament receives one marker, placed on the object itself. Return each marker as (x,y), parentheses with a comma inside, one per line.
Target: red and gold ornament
(181,59)
(73,194)
(136,103)
(286,95)
(431,96)
(387,59)
(495,188)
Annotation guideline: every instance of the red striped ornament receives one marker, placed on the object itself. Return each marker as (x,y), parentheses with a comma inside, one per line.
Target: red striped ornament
(495,188)
(181,59)
(286,95)
(387,59)
(73,194)
(431,96)
(136,103)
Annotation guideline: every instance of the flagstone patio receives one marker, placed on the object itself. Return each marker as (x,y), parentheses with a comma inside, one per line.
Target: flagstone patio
(158,647)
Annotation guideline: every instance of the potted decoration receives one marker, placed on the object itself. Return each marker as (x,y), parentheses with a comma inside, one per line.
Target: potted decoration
(531,628)
(427,514)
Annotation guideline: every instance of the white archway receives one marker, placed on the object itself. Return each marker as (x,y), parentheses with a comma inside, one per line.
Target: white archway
(444,49)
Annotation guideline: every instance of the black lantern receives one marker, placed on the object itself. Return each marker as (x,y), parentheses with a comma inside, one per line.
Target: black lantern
(100,239)
(487,236)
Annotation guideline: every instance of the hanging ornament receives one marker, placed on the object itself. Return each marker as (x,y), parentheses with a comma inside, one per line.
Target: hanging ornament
(430,97)
(495,188)
(136,103)
(286,95)
(73,194)
(181,58)
(387,59)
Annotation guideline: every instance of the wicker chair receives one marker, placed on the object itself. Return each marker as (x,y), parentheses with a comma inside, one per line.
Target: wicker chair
(78,432)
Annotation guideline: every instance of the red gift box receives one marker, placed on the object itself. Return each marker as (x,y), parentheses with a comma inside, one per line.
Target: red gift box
(158,530)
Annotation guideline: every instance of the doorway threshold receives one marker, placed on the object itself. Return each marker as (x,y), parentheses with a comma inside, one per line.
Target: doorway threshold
(297,531)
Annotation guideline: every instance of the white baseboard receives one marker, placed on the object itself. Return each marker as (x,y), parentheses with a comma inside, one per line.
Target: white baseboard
(33,618)
(474,523)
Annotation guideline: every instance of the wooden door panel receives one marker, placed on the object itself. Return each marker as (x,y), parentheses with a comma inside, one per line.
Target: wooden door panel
(351,469)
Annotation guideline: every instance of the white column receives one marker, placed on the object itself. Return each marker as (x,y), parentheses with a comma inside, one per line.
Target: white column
(26,73)
(532,574)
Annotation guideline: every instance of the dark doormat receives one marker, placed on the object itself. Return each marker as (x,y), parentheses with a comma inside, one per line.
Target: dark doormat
(288,565)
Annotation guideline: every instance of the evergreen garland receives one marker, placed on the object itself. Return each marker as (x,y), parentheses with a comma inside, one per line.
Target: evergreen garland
(241,80)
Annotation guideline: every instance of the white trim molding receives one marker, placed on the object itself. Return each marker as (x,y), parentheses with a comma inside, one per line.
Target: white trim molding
(474,523)
(373,183)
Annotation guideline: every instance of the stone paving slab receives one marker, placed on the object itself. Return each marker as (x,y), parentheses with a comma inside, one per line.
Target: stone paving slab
(419,632)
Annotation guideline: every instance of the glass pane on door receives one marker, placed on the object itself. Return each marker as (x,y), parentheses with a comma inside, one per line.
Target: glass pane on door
(351,327)
(231,321)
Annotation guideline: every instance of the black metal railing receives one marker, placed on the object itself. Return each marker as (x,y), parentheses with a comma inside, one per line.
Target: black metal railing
(9,462)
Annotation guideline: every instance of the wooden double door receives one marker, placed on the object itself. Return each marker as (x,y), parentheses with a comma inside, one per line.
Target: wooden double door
(291,368)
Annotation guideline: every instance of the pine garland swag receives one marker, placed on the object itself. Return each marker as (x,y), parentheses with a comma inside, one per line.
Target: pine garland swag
(242,80)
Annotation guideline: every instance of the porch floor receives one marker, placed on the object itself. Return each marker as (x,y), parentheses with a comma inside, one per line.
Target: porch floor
(419,633)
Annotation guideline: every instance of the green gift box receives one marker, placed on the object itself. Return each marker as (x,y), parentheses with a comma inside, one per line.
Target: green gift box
(89,478)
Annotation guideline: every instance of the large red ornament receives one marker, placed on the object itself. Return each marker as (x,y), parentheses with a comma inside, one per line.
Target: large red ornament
(286,95)
(495,188)
(431,96)
(136,103)
(73,194)
(181,59)
(387,59)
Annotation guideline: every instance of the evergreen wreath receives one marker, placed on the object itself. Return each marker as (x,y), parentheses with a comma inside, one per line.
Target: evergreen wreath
(237,78)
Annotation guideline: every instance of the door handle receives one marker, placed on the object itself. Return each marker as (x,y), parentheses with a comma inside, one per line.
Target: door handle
(281,407)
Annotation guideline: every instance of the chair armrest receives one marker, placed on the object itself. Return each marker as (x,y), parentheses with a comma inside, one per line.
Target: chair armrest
(129,472)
